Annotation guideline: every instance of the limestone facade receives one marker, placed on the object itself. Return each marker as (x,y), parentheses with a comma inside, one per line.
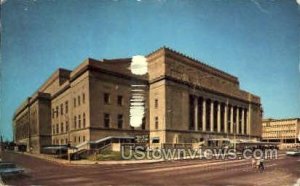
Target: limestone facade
(186,101)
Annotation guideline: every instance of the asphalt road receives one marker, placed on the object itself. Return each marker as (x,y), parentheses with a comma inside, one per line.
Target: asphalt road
(283,171)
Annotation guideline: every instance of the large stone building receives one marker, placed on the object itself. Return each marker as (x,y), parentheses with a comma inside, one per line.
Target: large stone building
(281,130)
(186,101)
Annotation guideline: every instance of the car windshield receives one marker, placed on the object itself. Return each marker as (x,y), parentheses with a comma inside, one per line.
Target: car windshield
(7,165)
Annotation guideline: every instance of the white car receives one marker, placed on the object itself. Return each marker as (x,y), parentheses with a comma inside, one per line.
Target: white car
(293,152)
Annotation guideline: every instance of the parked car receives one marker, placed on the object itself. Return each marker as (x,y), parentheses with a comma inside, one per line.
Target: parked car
(293,152)
(10,169)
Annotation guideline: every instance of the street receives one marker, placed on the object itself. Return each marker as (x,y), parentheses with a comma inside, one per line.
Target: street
(283,171)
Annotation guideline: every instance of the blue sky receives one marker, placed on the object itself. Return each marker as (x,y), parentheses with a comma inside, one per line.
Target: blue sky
(255,40)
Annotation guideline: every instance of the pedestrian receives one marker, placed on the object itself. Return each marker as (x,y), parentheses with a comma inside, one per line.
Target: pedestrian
(253,162)
(257,163)
(260,165)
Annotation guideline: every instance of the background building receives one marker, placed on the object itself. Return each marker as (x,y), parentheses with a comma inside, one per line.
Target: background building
(186,101)
(281,130)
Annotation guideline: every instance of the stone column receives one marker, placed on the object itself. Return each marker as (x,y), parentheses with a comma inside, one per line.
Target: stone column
(243,121)
(212,116)
(196,113)
(219,117)
(248,122)
(231,119)
(237,120)
(204,115)
(225,118)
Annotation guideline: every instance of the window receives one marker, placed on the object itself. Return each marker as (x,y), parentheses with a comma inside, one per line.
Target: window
(155,140)
(106,98)
(53,129)
(83,138)
(57,129)
(61,141)
(75,124)
(120,121)
(61,109)
(106,120)
(53,112)
(144,123)
(62,127)
(78,139)
(66,141)
(156,122)
(78,98)
(120,100)
(79,121)
(67,126)
(57,111)
(156,103)
(83,120)
(74,102)
(67,106)
(53,141)
(83,98)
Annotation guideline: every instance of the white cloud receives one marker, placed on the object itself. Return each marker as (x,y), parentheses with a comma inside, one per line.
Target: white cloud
(260,7)
(2,2)
(298,2)
(139,65)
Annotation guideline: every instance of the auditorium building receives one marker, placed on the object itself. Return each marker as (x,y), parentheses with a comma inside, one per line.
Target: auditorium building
(185,101)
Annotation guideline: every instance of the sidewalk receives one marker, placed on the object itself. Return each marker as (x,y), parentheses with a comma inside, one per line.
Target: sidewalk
(88,162)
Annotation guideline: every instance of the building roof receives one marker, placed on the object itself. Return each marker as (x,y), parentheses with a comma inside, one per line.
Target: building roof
(282,119)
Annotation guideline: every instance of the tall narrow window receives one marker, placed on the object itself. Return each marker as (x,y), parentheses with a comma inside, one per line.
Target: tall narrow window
(106,120)
(53,129)
(120,121)
(120,100)
(67,107)
(156,103)
(106,98)
(62,127)
(83,138)
(75,122)
(67,126)
(61,109)
(83,120)
(78,98)
(156,122)
(83,98)
(53,113)
(79,121)
(56,111)
(144,123)
(78,139)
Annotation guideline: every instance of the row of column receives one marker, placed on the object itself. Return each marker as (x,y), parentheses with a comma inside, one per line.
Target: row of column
(229,118)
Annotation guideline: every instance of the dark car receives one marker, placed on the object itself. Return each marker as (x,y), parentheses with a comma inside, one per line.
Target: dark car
(10,169)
